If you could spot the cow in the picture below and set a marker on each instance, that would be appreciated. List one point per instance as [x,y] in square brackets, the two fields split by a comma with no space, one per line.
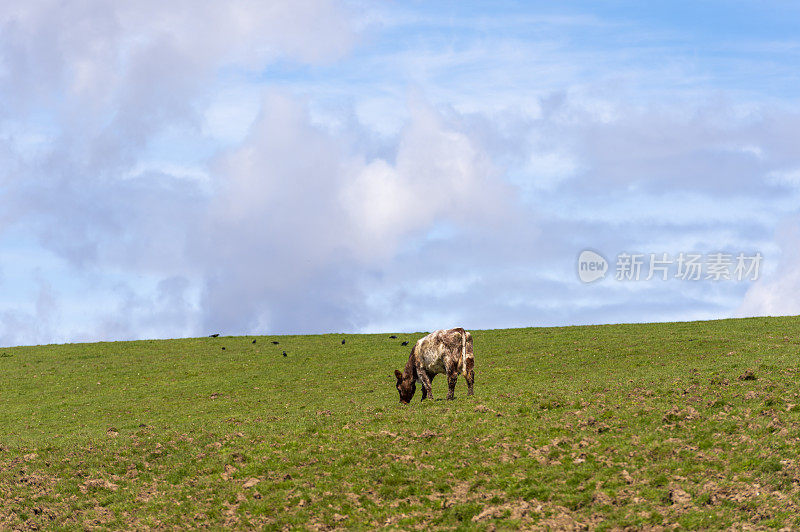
[446,351]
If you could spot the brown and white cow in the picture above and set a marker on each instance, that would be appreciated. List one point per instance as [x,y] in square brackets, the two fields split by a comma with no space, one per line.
[447,351]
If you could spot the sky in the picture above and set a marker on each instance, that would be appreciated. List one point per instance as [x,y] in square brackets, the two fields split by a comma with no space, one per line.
[175,169]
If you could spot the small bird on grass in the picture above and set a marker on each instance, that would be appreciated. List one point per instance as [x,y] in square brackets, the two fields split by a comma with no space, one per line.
[254,341]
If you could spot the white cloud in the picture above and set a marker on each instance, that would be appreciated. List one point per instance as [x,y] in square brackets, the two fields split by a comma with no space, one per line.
[103,153]
[439,174]
[547,170]
[296,208]
[790,177]
[777,292]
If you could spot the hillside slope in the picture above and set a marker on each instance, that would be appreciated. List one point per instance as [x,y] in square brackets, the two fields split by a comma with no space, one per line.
[696,424]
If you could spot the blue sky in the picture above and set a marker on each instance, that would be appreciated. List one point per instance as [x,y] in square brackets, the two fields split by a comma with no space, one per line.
[320,166]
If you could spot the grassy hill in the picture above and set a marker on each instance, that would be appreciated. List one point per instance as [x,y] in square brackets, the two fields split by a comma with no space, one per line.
[695,424]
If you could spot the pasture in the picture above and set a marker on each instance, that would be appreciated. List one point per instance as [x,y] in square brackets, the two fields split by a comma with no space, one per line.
[694,425]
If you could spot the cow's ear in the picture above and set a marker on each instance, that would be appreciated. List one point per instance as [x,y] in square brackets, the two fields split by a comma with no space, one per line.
[398,375]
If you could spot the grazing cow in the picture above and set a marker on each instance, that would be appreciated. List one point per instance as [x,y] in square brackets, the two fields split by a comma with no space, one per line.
[342,342]
[446,351]
[274,342]
[393,337]
[215,335]
[404,343]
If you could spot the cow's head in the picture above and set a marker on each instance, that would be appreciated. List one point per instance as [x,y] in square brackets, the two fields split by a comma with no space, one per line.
[406,387]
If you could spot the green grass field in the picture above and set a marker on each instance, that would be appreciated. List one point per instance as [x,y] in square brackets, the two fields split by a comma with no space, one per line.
[695,425]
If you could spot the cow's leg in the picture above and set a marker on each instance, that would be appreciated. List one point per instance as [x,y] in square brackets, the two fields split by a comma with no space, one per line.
[430,378]
[427,391]
[470,376]
[452,379]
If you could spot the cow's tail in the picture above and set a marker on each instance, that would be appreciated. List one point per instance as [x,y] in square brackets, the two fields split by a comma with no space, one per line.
[467,358]
[464,350]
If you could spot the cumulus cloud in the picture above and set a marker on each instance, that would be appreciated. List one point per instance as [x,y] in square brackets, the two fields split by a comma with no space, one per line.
[90,90]
[37,324]
[97,83]
[299,218]
[439,174]
[777,292]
